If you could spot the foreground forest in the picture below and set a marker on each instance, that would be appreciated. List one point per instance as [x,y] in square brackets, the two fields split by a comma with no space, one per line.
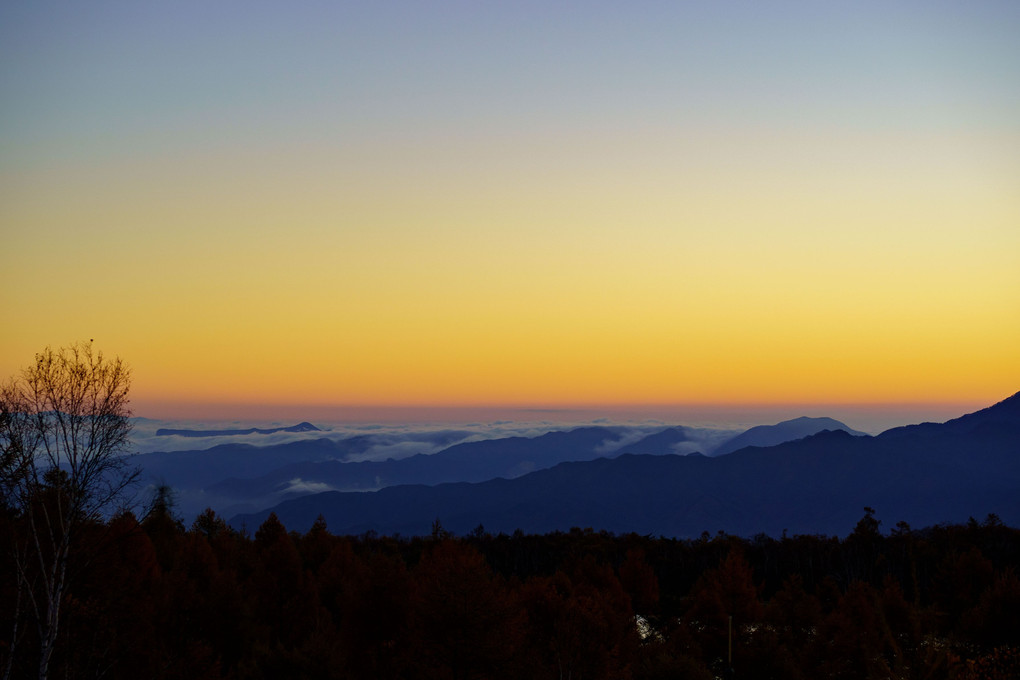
[157,599]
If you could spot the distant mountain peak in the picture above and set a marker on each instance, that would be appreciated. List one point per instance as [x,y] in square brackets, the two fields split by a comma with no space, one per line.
[304,426]
[809,419]
[787,430]
[301,427]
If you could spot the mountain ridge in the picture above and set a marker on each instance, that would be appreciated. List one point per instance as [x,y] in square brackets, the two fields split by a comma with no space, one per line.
[816,484]
[300,427]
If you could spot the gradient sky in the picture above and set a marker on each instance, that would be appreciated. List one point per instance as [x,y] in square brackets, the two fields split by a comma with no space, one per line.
[517,202]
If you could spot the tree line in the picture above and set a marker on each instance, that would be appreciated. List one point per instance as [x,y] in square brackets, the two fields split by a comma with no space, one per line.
[156,599]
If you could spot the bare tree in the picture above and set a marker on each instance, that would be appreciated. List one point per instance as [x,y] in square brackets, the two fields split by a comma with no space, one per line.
[64,426]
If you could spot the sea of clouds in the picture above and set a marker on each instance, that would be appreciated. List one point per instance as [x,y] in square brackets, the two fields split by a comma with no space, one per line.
[396,441]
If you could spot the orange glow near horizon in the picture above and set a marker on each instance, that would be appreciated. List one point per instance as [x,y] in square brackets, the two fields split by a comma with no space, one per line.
[364,207]
[873,418]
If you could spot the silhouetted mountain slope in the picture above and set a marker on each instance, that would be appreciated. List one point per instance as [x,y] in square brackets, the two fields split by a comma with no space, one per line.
[788,430]
[1005,412]
[818,484]
[301,427]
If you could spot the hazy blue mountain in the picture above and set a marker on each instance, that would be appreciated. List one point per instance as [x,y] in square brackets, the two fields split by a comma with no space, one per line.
[475,461]
[788,430]
[924,474]
[658,444]
[191,473]
[301,427]
[241,477]
[202,467]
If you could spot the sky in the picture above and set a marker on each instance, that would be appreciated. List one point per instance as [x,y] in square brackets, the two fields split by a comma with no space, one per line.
[528,203]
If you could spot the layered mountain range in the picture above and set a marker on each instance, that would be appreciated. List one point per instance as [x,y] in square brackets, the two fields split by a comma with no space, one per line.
[243,477]
[808,475]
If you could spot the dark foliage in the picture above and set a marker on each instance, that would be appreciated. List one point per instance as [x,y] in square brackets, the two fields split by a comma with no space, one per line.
[162,601]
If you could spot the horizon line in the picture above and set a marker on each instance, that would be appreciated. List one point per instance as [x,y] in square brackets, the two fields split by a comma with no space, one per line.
[213,411]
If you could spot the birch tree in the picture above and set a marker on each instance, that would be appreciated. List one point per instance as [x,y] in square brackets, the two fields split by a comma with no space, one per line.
[64,426]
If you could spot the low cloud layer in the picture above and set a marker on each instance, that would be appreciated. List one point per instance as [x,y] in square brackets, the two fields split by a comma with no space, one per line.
[298,485]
